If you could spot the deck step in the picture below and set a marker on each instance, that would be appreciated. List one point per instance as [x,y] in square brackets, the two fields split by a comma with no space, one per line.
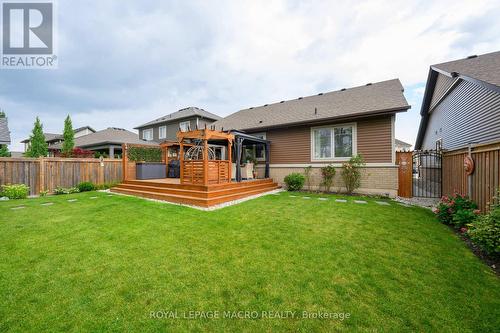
[194,193]
[198,201]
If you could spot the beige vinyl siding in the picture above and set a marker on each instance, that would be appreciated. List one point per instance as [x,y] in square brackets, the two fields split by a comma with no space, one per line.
[293,145]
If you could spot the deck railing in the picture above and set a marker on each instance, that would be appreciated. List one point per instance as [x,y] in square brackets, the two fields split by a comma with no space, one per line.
[193,172]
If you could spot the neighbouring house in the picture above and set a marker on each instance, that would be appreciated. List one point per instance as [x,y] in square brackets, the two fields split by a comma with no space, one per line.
[53,138]
[166,127]
[4,131]
[108,142]
[329,128]
[461,104]
[460,115]
[402,146]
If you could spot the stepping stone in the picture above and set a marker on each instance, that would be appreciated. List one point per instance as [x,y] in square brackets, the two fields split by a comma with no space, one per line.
[47,204]
[293,196]
[17,208]
[383,203]
[360,201]
[110,195]
[306,197]
[323,199]
[404,205]
[340,200]
[72,200]
[93,197]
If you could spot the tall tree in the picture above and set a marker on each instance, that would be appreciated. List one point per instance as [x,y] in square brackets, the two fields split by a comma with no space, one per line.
[38,147]
[69,137]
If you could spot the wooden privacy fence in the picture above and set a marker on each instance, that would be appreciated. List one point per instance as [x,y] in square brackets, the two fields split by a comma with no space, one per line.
[45,174]
[482,184]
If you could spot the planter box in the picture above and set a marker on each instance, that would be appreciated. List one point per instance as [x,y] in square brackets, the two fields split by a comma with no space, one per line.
[151,170]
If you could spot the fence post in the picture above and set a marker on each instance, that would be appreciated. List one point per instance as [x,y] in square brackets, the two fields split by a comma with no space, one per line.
[469,177]
[41,175]
[124,162]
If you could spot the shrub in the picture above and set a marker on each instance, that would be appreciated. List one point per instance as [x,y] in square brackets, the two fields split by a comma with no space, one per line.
[44,193]
[457,210]
[61,190]
[294,181]
[307,176]
[485,231]
[106,186]
[4,151]
[143,154]
[86,186]
[328,173]
[16,191]
[351,174]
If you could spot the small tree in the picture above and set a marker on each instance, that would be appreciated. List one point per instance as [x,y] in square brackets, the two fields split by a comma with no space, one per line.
[307,175]
[69,138]
[327,173]
[4,151]
[351,174]
[38,147]
[2,114]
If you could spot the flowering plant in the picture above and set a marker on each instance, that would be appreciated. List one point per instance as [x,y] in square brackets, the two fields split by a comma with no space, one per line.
[457,210]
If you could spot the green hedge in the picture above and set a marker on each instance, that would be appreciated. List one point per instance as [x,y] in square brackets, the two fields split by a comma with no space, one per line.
[142,154]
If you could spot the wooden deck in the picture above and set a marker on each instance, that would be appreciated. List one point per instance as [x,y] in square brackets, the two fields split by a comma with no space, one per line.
[171,190]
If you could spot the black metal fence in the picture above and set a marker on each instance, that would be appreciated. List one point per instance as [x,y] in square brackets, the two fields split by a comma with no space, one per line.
[427,173]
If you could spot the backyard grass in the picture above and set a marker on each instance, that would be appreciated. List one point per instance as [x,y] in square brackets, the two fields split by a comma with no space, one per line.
[107,263]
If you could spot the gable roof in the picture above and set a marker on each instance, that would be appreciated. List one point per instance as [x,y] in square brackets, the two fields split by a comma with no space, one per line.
[182,113]
[483,70]
[402,143]
[381,97]
[54,137]
[4,131]
[79,129]
[109,136]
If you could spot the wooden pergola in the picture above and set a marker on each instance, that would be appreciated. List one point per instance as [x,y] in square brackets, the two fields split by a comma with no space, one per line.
[203,170]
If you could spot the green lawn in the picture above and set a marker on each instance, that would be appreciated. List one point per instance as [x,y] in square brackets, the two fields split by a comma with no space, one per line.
[105,264]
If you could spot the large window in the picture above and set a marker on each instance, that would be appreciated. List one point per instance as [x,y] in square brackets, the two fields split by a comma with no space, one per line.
[162,132]
[147,134]
[334,143]
[184,126]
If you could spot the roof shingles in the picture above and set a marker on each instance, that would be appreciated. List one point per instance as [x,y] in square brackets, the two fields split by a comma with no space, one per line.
[376,97]
[182,113]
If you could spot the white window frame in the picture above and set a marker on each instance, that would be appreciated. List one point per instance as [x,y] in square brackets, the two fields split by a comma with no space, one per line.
[183,123]
[149,130]
[333,158]
[159,132]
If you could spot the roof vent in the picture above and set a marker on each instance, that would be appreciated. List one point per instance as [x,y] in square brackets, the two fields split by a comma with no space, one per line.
[343,89]
[300,98]
[472,56]
[251,108]
[320,94]
[369,84]
[260,121]
[454,74]
[282,102]
[266,104]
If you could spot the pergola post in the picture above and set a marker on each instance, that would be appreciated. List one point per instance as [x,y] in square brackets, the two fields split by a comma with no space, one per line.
[267,153]
[181,161]
[230,158]
[239,142]
[205,161]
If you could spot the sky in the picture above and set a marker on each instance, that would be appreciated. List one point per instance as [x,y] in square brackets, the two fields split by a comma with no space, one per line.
[123,63]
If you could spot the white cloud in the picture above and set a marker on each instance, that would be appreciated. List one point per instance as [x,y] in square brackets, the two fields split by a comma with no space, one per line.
[124,63]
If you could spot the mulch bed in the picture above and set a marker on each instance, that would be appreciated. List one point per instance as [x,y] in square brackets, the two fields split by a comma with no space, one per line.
[491,260]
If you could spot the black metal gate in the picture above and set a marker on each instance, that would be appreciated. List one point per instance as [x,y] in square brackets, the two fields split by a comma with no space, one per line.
[427,173]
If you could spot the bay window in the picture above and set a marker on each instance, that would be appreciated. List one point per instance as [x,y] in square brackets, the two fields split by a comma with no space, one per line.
[333,142]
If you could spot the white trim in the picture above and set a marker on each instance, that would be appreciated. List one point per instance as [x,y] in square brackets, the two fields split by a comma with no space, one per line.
[147,131]
[184,123]
[336,159]
[336,165]
[159,132]
[393,138]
